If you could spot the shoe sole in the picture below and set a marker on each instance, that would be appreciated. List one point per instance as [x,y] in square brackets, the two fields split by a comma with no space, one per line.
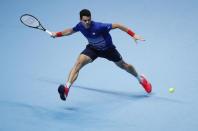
[61,89]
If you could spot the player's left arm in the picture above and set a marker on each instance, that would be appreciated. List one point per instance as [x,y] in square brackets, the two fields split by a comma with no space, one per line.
[128,31]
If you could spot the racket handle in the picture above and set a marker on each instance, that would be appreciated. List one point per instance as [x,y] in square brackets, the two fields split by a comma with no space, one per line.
[50,33]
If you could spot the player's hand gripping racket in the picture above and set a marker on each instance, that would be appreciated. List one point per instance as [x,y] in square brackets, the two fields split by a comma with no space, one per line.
[33,22]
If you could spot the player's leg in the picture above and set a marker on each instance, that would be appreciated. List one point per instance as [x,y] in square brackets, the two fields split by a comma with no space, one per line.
[81,61]
[130,69]
[87,55]
[114,55]
[127,67]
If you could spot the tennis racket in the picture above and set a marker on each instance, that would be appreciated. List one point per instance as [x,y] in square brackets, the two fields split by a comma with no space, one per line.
[33,22]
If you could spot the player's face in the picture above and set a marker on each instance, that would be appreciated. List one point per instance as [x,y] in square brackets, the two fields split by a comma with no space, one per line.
[86,21]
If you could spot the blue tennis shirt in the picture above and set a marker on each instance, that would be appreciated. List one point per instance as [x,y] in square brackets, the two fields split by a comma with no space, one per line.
[97,34]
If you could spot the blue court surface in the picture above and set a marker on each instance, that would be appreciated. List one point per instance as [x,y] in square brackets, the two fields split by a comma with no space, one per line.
[104,97]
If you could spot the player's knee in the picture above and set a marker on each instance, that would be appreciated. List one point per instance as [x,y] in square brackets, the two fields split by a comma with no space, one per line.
[128,66]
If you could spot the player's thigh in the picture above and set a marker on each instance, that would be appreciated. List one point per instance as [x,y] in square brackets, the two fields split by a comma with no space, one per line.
[83,60]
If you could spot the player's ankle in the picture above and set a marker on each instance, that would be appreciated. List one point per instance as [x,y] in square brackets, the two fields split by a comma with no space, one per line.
[139,78]
[68,84]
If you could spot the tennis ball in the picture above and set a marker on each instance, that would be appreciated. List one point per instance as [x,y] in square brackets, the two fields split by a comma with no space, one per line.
[171,90]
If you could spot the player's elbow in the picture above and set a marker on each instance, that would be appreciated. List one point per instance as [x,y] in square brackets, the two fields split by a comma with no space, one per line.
[116,25]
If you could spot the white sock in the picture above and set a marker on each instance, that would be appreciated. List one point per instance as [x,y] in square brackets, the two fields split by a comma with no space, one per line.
[68,84]
[139,78]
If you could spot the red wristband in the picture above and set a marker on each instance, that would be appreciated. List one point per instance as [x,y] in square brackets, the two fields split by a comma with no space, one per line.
[130,32]
[59,34]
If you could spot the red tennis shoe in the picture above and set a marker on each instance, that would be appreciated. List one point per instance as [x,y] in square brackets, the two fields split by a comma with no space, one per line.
[146,84]
[63,92]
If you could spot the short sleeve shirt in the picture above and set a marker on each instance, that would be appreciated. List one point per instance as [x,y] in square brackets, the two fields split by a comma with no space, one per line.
[97,34]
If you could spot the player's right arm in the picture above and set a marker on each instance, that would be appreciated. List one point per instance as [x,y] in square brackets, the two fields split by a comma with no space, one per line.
[65,32]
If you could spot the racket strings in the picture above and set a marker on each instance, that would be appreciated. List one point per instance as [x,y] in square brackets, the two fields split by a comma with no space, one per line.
[30,21]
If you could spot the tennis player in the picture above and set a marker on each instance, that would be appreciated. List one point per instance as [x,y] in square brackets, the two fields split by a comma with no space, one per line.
[99,45]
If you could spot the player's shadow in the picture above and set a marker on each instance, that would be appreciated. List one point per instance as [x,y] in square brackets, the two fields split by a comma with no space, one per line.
[116,93]
[134,95]
[126,95]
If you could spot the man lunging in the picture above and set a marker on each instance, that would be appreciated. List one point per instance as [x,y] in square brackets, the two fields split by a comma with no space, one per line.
[99,45]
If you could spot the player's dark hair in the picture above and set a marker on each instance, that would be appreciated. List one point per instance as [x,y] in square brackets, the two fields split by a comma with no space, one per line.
[85,12]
